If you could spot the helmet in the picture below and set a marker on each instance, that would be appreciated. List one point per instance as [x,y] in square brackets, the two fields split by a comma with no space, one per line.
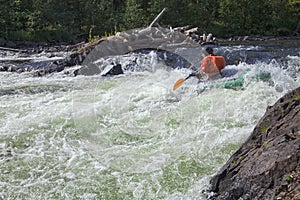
[209,50]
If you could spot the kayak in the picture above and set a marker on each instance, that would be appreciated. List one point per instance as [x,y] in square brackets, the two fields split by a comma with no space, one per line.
[234,79]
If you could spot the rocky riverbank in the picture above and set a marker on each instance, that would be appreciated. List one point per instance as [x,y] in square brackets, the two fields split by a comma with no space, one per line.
[80,49]
[267,165]
[76,53]
[21,56]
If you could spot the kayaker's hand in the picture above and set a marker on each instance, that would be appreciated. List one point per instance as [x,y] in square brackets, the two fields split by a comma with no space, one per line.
[200,75]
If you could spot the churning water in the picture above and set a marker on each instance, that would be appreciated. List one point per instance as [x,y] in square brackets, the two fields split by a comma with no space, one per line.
[127,136]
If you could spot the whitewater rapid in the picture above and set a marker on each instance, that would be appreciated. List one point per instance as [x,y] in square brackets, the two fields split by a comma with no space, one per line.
[127,136]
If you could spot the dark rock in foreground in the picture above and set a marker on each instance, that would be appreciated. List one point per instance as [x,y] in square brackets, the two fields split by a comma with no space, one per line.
[267,165]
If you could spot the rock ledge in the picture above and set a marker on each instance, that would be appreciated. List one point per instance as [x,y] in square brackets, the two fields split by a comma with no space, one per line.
[267,165]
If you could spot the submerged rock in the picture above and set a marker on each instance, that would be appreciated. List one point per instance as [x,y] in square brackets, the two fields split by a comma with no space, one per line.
[267,165]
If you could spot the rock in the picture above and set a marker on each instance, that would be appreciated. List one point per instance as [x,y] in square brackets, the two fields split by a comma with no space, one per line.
[245,38]
[267,165]
[297,31]
[11,44]
[2,42]
[114,70]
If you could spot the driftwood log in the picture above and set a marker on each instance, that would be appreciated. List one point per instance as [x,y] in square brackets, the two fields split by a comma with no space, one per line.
[157,18]
[12,49]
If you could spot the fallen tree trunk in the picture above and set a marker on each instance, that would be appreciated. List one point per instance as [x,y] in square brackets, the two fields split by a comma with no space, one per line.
[157,18]
[11,49]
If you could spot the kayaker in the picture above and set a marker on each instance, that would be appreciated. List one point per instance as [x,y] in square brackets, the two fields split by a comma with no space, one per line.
[211,65]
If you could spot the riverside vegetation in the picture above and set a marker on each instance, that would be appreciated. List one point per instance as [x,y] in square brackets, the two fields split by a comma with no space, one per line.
[54,20]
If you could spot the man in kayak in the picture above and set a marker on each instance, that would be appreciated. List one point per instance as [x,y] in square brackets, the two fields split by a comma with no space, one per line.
[211,65]
[210,68]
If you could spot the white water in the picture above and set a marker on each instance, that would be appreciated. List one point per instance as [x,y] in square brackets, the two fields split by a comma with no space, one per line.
[125,137]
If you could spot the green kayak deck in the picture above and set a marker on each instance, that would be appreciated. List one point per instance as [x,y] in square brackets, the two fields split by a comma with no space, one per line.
[236,81]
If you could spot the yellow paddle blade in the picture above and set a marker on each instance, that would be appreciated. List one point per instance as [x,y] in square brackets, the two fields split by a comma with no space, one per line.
[178,83]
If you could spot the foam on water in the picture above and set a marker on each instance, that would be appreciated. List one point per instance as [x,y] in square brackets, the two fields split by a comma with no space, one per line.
[127,136]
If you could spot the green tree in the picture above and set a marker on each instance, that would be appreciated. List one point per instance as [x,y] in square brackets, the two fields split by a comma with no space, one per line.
[286,15]
[133,16]
[249,17]
[45,20]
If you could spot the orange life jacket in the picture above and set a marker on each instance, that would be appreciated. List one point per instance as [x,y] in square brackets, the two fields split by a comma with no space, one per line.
[212,65]
[219,61]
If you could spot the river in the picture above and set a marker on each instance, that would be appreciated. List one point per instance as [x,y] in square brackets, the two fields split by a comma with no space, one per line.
[129,136]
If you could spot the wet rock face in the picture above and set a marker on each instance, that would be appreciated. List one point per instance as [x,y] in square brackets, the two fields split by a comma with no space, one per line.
[267,165]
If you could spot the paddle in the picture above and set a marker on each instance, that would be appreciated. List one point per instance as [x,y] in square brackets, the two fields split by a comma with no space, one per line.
[180,81]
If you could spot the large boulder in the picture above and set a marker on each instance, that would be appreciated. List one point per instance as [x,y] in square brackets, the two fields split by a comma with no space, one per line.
[267,165]
[298,29]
